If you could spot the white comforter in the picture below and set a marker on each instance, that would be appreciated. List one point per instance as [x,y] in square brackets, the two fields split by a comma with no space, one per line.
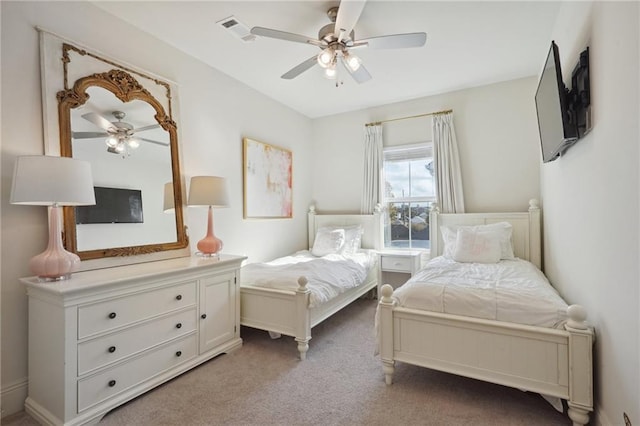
[510,290]
[327,276]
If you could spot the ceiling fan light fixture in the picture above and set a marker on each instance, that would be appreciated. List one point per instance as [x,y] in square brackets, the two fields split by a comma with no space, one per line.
[330,72]
[325,58]
[112,141]
[352,61]
[133,143]
[119,148]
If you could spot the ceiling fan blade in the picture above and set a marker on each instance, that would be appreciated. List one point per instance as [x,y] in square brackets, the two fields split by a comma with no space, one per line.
[149,127]
[88,135]
[99,121]
[361,75]
[282,35]
[152,141]
[348,14]
[300,68]
[395,41]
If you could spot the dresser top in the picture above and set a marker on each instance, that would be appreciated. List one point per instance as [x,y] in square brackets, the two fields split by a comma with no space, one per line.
[87,280]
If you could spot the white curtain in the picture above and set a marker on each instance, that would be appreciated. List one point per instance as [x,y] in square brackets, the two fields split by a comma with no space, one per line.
[372,168]
[447,165]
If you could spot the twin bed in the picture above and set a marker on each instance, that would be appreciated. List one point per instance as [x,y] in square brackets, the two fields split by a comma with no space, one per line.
[490,334]
[551,353]
[291,308]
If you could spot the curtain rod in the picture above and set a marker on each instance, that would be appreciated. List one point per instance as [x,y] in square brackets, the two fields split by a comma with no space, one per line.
[446,111]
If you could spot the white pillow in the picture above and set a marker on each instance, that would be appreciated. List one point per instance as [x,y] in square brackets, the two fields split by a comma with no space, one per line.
[477,246]
[328,241]
[353,239]
[502,230]
[449,234]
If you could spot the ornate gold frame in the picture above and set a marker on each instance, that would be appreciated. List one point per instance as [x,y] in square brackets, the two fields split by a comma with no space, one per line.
[126,88]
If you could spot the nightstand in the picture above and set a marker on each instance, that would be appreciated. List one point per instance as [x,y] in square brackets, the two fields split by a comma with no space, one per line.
[398,266]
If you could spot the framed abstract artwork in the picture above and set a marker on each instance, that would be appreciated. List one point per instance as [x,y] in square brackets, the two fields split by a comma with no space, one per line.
[268,180]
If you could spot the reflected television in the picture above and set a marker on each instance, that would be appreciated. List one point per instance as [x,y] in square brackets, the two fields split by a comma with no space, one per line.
[113,205]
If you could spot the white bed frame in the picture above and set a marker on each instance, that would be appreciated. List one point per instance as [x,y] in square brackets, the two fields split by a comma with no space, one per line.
[548,361]
[287,312]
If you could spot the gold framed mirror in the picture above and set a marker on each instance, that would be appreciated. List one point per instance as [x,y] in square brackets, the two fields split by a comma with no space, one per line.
[110,119]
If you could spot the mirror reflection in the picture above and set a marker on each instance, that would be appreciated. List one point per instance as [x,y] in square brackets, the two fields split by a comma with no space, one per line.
[113,122]
[130,157]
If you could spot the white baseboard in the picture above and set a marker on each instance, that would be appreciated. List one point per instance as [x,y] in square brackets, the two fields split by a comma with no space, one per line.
[13,396]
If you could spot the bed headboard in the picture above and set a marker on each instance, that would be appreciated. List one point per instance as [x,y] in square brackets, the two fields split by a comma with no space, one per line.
[526,238]
[372,224]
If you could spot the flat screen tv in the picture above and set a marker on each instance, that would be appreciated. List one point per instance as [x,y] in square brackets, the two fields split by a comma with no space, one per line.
[558,130]
[113,205]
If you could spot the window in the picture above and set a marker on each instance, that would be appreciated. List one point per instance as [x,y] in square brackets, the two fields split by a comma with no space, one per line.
[409,190]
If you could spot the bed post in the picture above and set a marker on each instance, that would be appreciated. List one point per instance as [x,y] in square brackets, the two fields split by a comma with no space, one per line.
[385,324]
[581,338]
[433,229]
[311,225]
[535,235]
[303,324]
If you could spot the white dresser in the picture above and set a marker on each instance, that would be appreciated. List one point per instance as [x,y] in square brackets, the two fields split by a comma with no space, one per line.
[104,337]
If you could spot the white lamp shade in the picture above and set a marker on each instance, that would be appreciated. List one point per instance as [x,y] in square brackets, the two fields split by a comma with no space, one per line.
[169,203]
[208,191]
[41,180]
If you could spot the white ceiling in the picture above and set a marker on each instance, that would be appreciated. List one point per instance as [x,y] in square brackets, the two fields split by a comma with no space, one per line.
[469,43]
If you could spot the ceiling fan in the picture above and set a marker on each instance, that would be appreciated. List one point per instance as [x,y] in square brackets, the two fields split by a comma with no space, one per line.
[119,134]
[337,39]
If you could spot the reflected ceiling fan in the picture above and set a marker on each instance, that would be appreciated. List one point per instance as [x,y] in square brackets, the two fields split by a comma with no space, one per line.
[119,134]
[337,39]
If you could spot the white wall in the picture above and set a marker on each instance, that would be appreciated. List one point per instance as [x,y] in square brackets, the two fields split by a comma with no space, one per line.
[497,137]
[590,200]
[215,112]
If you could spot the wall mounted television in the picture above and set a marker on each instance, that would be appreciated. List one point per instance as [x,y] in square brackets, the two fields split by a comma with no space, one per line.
[563,114]
[113,205]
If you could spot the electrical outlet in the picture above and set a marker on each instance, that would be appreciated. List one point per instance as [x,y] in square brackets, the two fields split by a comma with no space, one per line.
[627,422]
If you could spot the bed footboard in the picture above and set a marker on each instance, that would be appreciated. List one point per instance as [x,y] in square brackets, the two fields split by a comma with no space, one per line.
[548,361]
[278,311]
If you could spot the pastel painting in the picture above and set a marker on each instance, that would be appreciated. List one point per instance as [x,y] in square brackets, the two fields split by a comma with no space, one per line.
[268,181]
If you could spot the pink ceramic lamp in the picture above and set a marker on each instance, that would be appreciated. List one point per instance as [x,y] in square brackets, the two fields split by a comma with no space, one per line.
[208,191]
[53,181]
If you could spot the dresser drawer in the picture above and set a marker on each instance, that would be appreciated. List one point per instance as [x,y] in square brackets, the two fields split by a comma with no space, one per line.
[113,313]
[101,351]
[397,263]
[106,384]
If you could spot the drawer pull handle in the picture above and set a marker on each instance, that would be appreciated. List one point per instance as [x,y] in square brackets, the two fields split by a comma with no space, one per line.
[179,297]
[112,349]
[179,353]
[397,264]
[179,325]
[203,316]
[112,315]
[112,383]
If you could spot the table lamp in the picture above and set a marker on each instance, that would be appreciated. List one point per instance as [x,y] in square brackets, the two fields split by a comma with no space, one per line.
[208,191]
[40,180]
[168,203]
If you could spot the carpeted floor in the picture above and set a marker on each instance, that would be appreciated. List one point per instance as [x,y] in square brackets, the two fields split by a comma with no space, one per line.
[340,383]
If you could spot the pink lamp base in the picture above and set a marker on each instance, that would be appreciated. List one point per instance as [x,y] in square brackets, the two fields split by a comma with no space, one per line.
[210,245]
[55,263]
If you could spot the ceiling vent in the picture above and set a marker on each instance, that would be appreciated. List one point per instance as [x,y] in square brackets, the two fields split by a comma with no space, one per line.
[237,28]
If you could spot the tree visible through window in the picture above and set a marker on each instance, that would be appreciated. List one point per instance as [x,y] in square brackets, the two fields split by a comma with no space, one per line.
[409,191]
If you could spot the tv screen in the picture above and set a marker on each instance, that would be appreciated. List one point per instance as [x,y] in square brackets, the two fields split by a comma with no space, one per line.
[113,205]
[557,130]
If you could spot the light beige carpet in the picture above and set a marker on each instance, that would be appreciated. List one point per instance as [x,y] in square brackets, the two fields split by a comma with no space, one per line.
[340,383]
